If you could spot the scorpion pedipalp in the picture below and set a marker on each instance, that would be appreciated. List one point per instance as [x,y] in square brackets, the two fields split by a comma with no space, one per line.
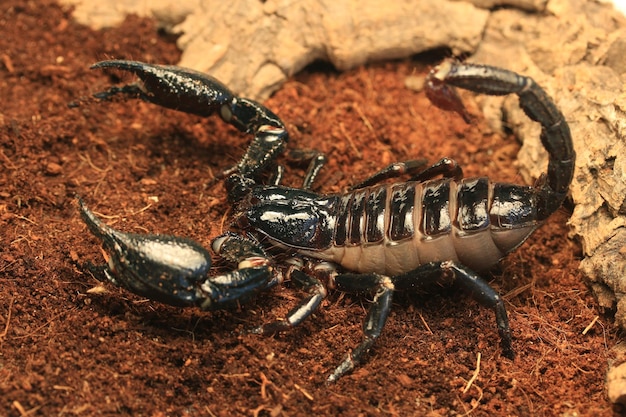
[171,269]
[192,92]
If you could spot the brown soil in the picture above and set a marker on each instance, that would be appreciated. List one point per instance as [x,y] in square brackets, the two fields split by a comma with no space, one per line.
[66,351]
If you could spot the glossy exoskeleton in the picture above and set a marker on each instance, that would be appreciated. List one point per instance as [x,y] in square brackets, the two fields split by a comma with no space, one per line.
[436,228]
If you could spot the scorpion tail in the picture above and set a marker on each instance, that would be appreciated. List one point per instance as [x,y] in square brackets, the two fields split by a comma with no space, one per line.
[538,106]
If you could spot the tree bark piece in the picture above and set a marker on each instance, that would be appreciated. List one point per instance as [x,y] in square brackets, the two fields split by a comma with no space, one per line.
[254,46]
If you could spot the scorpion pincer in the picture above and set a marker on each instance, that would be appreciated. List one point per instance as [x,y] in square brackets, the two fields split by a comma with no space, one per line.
[378,237]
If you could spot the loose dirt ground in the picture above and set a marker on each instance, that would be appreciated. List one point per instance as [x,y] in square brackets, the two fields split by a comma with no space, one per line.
[66,351]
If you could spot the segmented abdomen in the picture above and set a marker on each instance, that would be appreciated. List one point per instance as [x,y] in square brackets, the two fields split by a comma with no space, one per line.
[393,228]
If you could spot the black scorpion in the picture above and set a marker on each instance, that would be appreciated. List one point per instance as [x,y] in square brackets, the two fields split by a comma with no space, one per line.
[435,228]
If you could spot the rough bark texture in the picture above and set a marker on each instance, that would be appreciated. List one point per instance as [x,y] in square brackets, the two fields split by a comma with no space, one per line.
[577,53]
[254,46]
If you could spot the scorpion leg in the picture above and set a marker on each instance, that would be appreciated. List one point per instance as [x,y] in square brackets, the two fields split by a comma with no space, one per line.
[316,161]
[375,319]
[173,270]
[316,293]
[441,273]
[392,171]
[196,93]
[446,167]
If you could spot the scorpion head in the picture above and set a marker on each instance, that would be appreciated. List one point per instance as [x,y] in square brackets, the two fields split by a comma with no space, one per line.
[290,217]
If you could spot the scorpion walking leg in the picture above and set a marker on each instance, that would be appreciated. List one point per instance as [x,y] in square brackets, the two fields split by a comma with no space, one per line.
[446,167]
[375,319]
[441,273]
[392,171]
[316,161]
[317,292]
[446,271]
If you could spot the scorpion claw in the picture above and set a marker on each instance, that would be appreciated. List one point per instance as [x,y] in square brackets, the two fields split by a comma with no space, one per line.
[161,267]
[231,288]
[192,92]
[172,269]
[171,87]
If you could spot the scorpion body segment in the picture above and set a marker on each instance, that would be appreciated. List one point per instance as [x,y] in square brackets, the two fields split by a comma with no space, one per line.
[437,228]
[393,228]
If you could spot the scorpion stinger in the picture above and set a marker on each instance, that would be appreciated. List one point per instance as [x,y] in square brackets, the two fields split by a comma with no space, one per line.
[192,92]
[437,228]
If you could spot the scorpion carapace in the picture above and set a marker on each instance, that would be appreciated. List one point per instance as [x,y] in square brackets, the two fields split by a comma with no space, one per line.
[436,228]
